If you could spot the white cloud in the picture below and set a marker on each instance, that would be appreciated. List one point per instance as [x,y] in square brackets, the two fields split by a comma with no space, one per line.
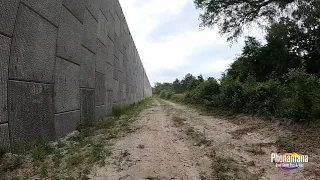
[172,52]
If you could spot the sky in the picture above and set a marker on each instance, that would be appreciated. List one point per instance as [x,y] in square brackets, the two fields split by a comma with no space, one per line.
[170,42]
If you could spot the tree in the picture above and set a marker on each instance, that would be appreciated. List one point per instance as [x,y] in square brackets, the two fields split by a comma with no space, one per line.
[233,15]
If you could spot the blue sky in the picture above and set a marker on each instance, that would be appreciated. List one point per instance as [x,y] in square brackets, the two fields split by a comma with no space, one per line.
[170,42]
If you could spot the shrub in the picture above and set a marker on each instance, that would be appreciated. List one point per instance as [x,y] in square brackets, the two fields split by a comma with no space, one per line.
[166,94]
[117,111]
[301,97]
[178,98]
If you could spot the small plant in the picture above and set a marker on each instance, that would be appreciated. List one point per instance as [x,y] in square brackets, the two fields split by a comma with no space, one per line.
[40,152]
[117,111]
[256,151]
[285,144]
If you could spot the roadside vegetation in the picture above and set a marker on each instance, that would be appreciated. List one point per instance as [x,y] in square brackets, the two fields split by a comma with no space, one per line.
[74,156]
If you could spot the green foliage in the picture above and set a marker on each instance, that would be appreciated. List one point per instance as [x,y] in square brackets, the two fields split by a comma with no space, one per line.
[165,94]
[178,98]
[117,111]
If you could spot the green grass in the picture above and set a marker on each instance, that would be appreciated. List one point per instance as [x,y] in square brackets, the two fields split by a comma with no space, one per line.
[226,168]
[81,151]
[285,144]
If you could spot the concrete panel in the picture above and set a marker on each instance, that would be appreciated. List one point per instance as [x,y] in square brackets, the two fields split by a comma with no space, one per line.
[66,123]
[31,114]
[69,37]
[89,36]
[87,69]
[117,24]
[115,68]
[93,6]
[103,29]
[116,47]
[49,9]
[100,93]
[101,112]
[4,138]
[109,101]
[101,61]
[109,77]
[66,86]
[4,56]
[8,12]
[110,47]
[76,7]
[33,48]
[87,106]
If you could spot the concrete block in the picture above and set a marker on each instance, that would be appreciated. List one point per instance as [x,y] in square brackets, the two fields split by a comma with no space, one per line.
[116,47]
[8,12]
[87,69]
[87,109]
[69,37]
[4,138]
[109,77]
[110,47]
[103,29]
[33,48]
[4,63]
[66,123]
[115,68]
[47,8]
[76,7]
[100,93]
[101,112]
[31,114]
[94,6]
[117,24]
[66,86]
[89,35]
[101,61]
[115,91]
[109,101]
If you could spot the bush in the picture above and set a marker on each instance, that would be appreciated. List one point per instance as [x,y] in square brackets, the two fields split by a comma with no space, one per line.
[301,97]
[117,111]
[166,94]
[178,98]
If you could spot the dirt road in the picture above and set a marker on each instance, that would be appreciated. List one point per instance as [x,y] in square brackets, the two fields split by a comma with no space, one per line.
[172,141]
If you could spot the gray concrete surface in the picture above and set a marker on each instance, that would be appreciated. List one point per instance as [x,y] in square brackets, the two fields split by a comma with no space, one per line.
[63,63]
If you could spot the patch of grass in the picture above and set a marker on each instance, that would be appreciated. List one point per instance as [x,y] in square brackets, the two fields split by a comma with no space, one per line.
[40,152]
[256,150]
[75,160]
[226,168]
[286,144]
[198,137]
[178,121]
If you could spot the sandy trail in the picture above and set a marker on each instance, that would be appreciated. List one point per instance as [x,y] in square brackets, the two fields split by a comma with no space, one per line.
[159,150]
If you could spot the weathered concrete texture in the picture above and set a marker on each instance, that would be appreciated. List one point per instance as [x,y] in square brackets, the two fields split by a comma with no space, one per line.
[101,61]
[4,138]
[69,37]
[87,69]
[63,62]
[66,122]
[8,12]
[87,106]
[101,112]
[49,9]
[4,61]
[33,48]
[100,93]
[93,6]
[66,86]
[103,29]
[89,35]
[76,7]
[31,113]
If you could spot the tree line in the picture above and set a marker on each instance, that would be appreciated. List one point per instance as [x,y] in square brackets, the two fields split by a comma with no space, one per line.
[279,78]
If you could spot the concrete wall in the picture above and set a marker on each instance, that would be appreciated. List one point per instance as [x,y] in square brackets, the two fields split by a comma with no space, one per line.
[63,62]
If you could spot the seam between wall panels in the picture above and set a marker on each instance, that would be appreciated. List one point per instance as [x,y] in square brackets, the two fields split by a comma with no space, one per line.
[8,105]
[71,13]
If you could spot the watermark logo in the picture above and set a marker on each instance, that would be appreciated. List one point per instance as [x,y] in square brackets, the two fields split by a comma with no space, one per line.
[289,161]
